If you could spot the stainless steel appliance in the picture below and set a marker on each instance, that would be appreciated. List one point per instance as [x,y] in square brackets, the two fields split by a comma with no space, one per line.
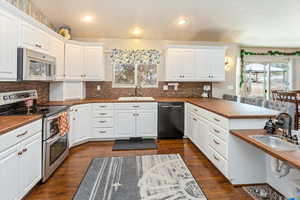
[55,144]
[170,120]
[33,65]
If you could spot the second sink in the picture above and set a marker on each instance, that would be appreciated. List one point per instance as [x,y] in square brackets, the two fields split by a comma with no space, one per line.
[275,142]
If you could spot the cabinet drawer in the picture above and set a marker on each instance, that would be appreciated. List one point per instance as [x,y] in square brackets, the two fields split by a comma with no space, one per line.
[218,120]
[219,132]
[102,106]
[13,137]
[136,106]
[218,145]
[102,113]
[218,161]
[103,132]
[103,122]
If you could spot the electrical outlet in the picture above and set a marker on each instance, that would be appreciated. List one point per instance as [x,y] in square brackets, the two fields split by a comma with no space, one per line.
[98,87]
[165,87]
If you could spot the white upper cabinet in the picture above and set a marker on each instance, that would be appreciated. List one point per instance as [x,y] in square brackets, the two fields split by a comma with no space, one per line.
[210,63]
[9,37]
[195,64]
[94,63]
[84,63]
[74,62]
[34,38]
[57,49]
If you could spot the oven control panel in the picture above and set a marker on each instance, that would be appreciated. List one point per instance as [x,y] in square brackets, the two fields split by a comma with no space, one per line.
[17,96]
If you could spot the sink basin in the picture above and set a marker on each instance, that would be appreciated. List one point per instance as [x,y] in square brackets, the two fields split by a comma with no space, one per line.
[136,99]
[275,142]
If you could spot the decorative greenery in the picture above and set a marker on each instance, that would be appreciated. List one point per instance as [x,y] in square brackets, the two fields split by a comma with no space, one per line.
[268,53]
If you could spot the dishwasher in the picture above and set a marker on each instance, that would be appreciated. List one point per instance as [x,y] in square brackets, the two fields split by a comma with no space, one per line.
[170,120]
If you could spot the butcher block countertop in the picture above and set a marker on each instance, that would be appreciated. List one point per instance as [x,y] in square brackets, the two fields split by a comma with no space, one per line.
[291,157]
[9,123]
[228,109]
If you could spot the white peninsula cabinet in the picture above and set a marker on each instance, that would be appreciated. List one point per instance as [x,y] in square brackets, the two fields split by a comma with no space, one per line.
[210,133]
[9,36]
[195,63]
[20,160]
[84,62]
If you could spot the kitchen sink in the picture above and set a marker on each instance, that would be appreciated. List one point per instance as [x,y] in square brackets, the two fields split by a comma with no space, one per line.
[136,99]
[275,142]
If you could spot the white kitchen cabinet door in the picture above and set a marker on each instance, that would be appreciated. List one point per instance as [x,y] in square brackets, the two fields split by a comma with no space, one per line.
[201,134]
[93,64]
[34,38]
[10,174]
[9,37]
[57,49]
[188,68]
[82,123]
[72,131]
[174,64]
[124,123]
[146,123]
[74,62]
[31,162]
[218,65]
[210,63]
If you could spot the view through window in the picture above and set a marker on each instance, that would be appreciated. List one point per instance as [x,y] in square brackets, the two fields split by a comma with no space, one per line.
[262,78]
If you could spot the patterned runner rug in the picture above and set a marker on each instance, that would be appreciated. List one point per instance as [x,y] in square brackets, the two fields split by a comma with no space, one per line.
[150,177]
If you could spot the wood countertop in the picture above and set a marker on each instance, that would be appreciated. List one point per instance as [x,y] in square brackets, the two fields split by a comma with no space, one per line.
[228,109]
[9,123]
[233,110]
[291,157]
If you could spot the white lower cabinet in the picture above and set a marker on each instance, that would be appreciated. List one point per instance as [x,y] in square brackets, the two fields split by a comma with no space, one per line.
[80,124]
[135,120]
[21,163]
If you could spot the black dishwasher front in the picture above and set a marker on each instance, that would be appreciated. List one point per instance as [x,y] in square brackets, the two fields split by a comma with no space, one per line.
[170,120]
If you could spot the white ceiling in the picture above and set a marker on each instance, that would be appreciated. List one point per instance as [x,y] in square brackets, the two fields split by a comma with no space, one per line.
[248,22]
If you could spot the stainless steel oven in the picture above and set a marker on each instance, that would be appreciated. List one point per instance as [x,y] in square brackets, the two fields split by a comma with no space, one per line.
[33,65]
[55,146]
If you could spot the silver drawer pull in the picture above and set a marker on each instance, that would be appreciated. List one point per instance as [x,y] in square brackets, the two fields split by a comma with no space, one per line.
[196,110]
[20,153]
[195,119]
[216,158]
[215,130]
[22,134]
[102,106]
[103,121]
[136,106]
[217,120]
[103,113]
[38,45]
[216,142]
[24,150]
[102,131]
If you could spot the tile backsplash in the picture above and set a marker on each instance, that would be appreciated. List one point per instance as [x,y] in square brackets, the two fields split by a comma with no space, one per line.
[188,89]
[41,87]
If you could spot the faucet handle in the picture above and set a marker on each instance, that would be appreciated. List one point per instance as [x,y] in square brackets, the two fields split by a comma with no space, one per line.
[295,139]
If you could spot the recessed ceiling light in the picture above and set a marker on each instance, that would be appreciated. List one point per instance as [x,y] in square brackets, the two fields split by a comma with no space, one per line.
[137,31]
[182,21]
[87,18]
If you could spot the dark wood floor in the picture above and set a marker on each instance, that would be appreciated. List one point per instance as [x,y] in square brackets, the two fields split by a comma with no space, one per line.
[63,184]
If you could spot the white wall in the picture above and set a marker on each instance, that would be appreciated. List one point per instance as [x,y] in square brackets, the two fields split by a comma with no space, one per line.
[229,86]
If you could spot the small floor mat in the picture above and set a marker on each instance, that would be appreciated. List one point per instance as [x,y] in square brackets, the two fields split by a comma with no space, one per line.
[134,144]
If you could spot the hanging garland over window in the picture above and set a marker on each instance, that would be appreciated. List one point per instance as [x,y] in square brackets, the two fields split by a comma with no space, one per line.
[268,53]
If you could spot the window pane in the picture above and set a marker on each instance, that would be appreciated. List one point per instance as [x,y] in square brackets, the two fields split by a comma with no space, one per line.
[279,76]
[255,76]
[124,74]
[147,75]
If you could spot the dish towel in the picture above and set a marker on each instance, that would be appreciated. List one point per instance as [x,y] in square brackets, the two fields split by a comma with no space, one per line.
[63,123]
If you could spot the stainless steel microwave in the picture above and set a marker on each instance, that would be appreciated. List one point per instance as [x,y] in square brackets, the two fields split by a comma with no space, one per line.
[35,66]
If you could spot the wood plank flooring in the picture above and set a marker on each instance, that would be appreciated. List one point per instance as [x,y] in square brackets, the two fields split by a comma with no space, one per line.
[64,182]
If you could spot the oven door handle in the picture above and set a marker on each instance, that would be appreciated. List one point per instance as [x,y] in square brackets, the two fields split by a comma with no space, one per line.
[54,139]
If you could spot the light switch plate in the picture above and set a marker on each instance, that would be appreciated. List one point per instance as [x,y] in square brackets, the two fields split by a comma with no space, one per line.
[98,87]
